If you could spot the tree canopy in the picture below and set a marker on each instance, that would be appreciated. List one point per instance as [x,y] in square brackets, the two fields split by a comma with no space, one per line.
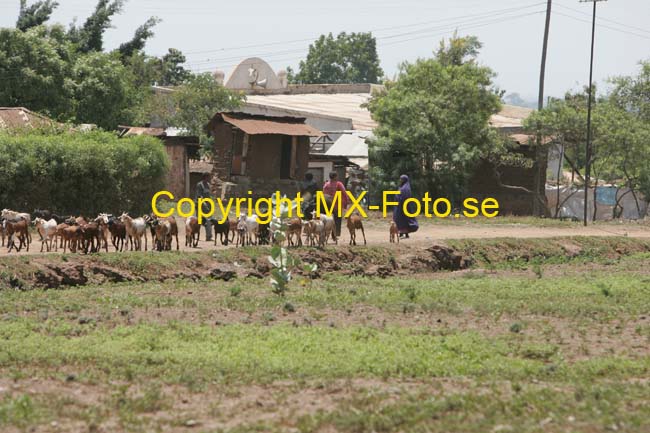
[433,120]
[65,74]
[620,132]
[192,105]
[346,59]
[35,14]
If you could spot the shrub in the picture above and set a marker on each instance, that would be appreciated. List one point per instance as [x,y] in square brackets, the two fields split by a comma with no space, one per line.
[80,173]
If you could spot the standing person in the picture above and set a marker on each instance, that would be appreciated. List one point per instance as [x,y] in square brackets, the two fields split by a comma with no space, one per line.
[203,191]
[308,191]
[329,190]
[405,224]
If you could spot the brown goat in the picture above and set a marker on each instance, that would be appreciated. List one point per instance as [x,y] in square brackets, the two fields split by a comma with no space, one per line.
[294,228]
[71,238]
[233,229]
[19,229]
[355,223]
[174,231]
[91,235]
[192,232]
[394,233]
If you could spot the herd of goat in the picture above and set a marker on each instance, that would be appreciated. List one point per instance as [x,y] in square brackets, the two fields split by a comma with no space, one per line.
[125,232]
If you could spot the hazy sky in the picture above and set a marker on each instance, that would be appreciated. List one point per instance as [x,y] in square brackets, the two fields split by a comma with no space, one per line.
[217,34]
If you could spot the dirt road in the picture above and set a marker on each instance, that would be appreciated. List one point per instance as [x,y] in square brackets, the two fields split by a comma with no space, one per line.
[377,232]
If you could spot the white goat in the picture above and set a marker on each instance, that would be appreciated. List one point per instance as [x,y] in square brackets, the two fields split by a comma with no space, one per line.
[329,228]
[252,228]
[136,228]
[47,230]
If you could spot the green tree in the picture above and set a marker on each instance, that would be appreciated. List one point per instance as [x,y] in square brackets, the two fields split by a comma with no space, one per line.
[90,36]
[103,91]
[35,69]
[142,33]
[173,73]
[433,121]
[633,92]
[620,139]
[346,59]
[36,14]
[192,105]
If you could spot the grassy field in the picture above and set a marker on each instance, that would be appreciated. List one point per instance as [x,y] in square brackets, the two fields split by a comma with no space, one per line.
[544,345]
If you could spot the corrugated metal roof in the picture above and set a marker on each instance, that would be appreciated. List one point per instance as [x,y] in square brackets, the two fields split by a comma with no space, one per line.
[257,125]
[350,106]
[351,145]
[19,117]
[510,116]
[138,130]
[345,105]
[525,139]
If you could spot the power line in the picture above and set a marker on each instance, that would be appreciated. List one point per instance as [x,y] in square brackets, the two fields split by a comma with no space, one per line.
[398,35]
[605,19]
[429,35]
[602,25]
[311,39]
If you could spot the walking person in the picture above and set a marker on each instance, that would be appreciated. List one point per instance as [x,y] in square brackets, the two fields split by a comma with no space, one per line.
[203,191]
[308,191]
[404,223]
[329,190]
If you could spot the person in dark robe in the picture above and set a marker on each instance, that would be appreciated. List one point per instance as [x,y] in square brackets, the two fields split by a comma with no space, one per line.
[203,191]
[405,224]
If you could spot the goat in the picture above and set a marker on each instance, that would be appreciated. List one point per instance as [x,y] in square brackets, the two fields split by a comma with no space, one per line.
[71,236]
[91,235]
[318,232]
[118,232]
[173,232]
[102,219]
[162,236]
[394,233]
[17,229]
[355,223]
[223,230]
[58,235]
[2,230]
[308,233]
[264,235]
[329,227]
[136,228]
[252,227]
[47,230]
[192,232]
[294,228]
[241,233]
[233,229]
[42,213]
[13,216]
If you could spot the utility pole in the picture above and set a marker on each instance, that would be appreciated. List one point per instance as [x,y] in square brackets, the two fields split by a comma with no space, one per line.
[539,157]
[588,153]
[542,74]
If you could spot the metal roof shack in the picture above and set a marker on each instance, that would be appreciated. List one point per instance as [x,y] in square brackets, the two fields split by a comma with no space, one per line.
[261,154]
[13,118]
[261,125]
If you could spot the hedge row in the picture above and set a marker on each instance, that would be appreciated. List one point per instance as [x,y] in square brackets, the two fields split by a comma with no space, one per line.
[80,173]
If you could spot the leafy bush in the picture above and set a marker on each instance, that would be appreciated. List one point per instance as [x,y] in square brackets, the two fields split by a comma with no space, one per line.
[80,173]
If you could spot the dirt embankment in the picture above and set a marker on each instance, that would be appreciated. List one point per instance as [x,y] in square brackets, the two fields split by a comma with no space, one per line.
[60,271]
